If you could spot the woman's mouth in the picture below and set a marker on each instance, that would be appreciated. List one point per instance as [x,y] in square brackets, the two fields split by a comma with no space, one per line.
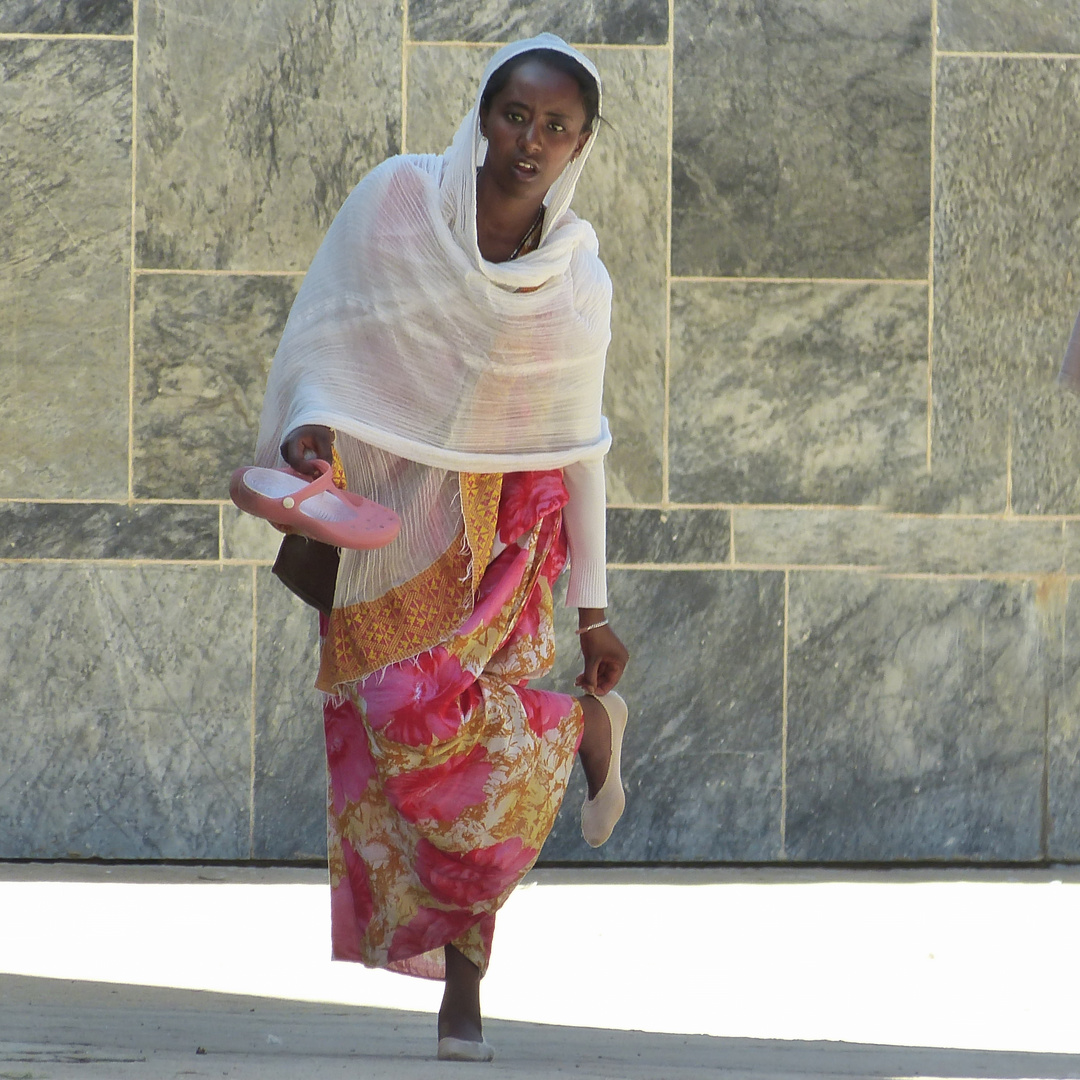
[526,168]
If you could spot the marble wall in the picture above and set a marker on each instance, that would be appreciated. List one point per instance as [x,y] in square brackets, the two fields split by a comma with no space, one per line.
[844,494]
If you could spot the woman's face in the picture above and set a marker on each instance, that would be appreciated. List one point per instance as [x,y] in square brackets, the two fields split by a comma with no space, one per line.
[534,126]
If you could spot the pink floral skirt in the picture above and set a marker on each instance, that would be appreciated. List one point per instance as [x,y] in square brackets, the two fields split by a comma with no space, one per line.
[445,770]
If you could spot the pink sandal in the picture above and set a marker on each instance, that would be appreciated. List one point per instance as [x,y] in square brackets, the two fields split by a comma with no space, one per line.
[316,508]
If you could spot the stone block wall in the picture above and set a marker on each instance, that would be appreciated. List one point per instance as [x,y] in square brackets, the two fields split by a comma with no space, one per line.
[845,493]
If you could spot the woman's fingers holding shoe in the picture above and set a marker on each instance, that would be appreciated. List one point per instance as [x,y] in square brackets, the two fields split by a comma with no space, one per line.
[304,444]
[605,659]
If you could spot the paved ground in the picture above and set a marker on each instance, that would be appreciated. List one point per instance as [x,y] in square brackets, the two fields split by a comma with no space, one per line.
[113,972]
[60,1029]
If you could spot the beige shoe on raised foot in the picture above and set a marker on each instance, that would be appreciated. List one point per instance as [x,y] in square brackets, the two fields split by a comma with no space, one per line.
[451,1049]
[599,815]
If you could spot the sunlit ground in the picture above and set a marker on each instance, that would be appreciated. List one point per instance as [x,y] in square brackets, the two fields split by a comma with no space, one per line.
[987,960]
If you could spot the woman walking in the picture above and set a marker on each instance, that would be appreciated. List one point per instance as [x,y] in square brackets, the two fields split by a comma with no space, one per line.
[446,353]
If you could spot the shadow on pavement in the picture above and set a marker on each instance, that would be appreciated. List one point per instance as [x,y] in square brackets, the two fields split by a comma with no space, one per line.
[101,1029]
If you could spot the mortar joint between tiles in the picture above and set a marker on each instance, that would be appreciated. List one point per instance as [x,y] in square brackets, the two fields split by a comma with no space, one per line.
[1009,463]
[665,418]
[930,245]
[404,76]
[253,710]
[131,252]
[964,54]
[784,720]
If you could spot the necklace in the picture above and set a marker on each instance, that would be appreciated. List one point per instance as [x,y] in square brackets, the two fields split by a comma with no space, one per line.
[532,228]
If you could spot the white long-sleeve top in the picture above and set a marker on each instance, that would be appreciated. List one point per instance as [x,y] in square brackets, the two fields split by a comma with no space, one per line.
[585,521]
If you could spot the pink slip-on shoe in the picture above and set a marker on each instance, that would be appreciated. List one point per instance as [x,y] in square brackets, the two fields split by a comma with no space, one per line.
[316,508]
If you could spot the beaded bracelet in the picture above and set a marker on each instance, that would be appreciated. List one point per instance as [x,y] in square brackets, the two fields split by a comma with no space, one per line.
[594,626]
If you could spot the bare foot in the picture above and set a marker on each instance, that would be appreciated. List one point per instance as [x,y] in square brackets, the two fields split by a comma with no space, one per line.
[595,748]
[459,1014]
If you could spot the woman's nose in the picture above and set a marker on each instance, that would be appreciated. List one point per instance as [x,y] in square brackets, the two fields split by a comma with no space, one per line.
[530,137]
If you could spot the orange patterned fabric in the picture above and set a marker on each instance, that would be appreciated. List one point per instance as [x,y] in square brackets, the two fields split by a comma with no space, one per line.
[480,507]
[446,769]
[338,473]
[401,623]
[411,618]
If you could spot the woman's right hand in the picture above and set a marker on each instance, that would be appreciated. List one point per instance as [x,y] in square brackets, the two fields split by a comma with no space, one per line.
[304,444]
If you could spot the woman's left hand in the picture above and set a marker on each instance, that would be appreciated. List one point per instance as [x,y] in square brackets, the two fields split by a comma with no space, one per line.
[605,659]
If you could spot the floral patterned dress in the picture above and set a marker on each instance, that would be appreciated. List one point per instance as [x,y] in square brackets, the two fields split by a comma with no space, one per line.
[446,770]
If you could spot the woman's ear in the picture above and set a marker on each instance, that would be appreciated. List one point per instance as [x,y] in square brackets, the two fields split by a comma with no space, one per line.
[583,138]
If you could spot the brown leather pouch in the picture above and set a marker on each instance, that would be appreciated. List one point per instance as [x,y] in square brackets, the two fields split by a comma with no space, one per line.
[309,569]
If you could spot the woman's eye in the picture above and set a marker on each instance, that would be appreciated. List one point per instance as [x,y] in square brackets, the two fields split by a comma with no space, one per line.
[515,117]
[557,127]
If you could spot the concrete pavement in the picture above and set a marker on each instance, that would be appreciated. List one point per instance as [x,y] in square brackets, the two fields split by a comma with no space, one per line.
[127,971]
[66,1030]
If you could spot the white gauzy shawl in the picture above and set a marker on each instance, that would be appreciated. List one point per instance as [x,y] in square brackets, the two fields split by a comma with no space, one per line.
[427,361]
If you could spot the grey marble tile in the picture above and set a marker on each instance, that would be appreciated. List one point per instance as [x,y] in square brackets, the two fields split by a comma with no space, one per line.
[668,536]
[203,347]
[916,712]
[1045,451]
[624,182]
[65,214]
[255,121]
[1006,26]
[608,22]
[246,537]
[802,139]
[795,393]
[125,712]
[701,759]
[794,537]
[1072,546]
[1008,170]
[102,531]
[66,17]
[1060,602]
[442,84]
[623,192]
[290,755]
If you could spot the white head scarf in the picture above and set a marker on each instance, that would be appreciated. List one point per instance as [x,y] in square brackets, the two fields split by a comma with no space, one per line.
[466,154]
[426,359]
[404,337]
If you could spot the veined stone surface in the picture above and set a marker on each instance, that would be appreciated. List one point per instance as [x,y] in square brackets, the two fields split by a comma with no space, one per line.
[668,536]
[107,531]
[796,393]
[66,17]
[1006,26]
[1004,295]
[898,542]
[65,215]
[125,712]
[611,22]
[802,139]
[623,191]
[290,755]
[203,347]
[255,122]
[1060,600]
[914,486]
[246,537]
[916,713]
[701,758]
